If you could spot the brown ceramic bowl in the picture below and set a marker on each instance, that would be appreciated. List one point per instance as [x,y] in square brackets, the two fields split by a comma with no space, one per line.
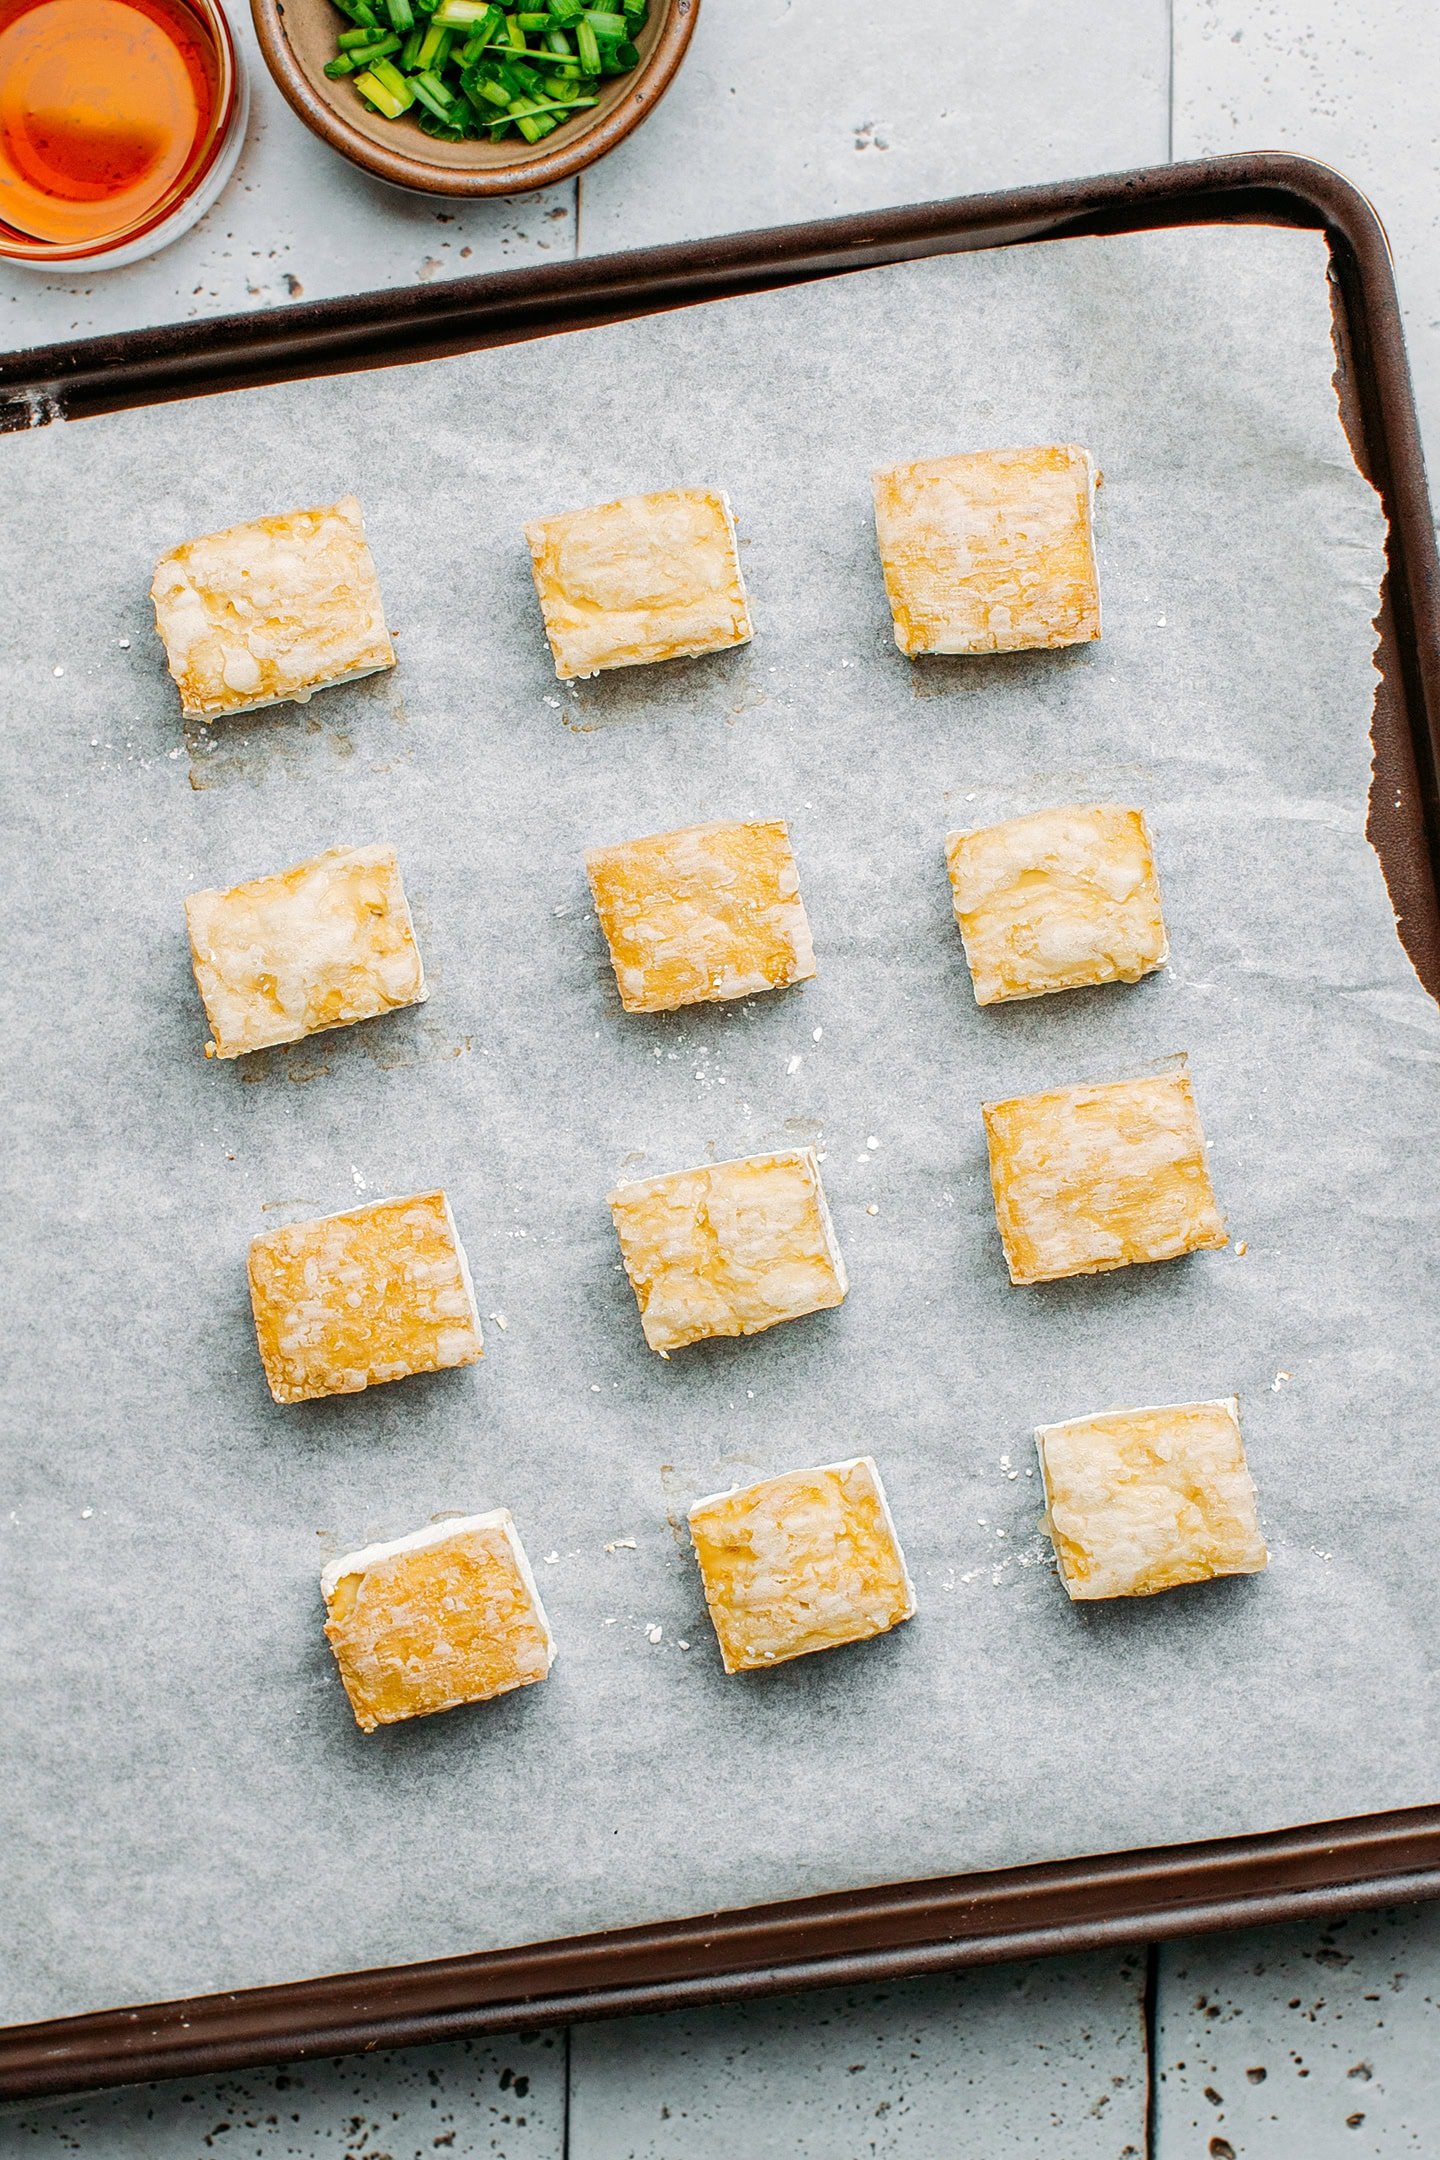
[297,37]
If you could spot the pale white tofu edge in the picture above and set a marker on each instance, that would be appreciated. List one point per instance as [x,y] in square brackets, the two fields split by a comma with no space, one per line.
[291,697]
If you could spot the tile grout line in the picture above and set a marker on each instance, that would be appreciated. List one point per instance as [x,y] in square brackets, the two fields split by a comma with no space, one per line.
[1149,2021]
[565,2112]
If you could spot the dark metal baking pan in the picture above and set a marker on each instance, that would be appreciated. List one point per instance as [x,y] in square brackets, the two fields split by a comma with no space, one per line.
[853,1936]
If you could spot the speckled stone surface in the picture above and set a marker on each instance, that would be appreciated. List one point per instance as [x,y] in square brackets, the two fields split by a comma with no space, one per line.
[1324,2041]
[501,2099]
[818,115]
[1357,85]
[1043,2059]
[1316,2040]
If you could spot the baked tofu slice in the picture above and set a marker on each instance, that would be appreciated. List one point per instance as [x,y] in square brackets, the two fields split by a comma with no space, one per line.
[1143,1500]
[448,1615]
[320,946]
[800,1563]
[1088,1178]
[271,611]
[990,552]
[710,912]
[1057,900]
[376,1293]
[650,577]
[729,1249]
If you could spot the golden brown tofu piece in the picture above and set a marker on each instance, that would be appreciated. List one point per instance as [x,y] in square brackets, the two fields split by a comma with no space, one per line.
[1143,1500]
[710,912]
[651,577]
[373,1294]
[1087,1178]
[448,1615]
[991,551]
[1057,900]
[270,611]
[800,1563]
[320,946]
[731,1248]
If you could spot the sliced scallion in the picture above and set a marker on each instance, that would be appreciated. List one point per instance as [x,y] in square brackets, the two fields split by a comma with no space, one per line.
[379,48]
[382,97]
[433,95]
[480,68]
[587,45]
[396,83]
[434,49]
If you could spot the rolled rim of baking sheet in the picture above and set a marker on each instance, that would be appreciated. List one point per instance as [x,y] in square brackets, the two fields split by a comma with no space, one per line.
[1315,1868]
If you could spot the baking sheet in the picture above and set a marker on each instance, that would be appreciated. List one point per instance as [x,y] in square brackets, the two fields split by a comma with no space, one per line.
[190,1806]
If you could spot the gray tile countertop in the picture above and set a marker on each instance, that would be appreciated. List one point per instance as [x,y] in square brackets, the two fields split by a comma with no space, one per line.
[1302,2039]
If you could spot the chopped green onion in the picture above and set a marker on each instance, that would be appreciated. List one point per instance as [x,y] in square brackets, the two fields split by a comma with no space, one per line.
[480,68]
[382,97]
[533,129]
[377,49]
[435,48]
[432,93]
[559,105]
[393,80]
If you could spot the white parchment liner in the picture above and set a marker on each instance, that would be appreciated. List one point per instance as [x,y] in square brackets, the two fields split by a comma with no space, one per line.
[187,1804]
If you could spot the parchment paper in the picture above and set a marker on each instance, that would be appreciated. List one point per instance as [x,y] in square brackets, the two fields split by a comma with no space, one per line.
[189,1804]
